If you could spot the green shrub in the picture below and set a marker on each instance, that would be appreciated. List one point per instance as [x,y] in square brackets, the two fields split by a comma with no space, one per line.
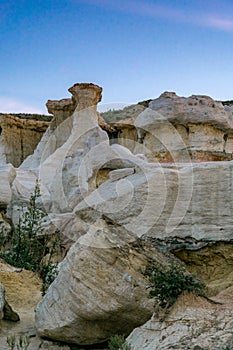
[168,282]
[21,343]
[30,245]
[118,342]
[48,273]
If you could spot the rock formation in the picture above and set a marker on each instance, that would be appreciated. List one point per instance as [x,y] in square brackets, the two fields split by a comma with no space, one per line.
[6,311]
[19,136]
[196,124]
[193,323]
[121,212]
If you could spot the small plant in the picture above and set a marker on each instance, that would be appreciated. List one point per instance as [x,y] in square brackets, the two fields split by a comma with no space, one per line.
[11,341]
[167,283]
[48,273]
[28,245]
[118,342]
[31,248]
[22,343]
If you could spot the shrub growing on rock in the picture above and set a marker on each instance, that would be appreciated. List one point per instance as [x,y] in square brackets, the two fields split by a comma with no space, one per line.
[118,342]
[168,282]
[30,245]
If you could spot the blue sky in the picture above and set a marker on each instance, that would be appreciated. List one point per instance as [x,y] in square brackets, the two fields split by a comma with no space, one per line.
[134,49]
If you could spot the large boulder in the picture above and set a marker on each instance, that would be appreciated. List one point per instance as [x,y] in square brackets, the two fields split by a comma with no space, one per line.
[100,289]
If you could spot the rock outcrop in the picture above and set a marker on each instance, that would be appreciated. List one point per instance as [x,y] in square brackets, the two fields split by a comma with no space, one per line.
[193,323]
[19,136]
[120,212]
[172,124]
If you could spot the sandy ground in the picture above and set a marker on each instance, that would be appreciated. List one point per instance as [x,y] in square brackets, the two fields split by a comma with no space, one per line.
[23,294]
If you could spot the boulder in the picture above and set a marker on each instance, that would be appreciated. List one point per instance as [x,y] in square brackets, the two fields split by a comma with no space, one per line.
[6,311]
[100,290]
[10,314]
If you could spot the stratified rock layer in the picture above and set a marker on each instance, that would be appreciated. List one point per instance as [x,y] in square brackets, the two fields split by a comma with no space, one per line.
[19,137]
[172,128]
[100,290]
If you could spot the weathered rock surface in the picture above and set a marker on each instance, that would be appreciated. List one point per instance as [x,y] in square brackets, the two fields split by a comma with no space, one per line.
[104,199]
[120,173]
[193,323]
[5,229]
[170,125]
[19,137]
[2,301]
[6,311]
[7,175]
[100,290]
[190,204]
[9,313]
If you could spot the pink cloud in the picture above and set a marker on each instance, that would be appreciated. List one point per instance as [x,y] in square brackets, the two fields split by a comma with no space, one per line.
[220,23]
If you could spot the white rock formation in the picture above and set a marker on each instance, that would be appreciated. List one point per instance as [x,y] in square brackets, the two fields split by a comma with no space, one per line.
[103,198]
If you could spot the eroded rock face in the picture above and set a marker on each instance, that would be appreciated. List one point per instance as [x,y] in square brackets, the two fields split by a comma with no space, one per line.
[6,311]
[193,323]
[197,123]
[104,199]
[100,290]
[19,137]
[173,128]
[7,176]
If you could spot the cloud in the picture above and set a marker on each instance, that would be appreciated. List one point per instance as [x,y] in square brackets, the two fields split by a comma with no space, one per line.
[11,105]
[220,23]
[201,18]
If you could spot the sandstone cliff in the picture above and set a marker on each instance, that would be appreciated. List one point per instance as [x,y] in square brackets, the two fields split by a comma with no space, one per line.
[19,136]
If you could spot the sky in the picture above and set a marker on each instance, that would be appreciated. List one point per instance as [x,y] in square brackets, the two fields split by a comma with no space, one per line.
[134,49]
